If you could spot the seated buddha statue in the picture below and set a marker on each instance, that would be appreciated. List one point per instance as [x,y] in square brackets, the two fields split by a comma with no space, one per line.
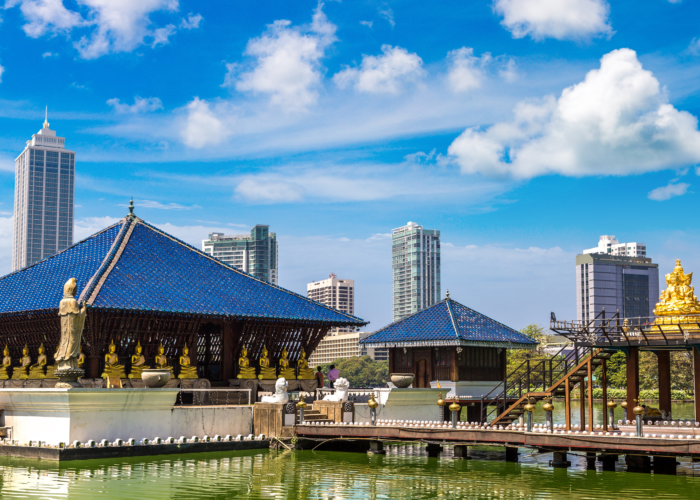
[51,369]
[38,369]
[6,365]
[81,358]
[112,367]
[21,372]
[162,360]
[286,371]
[244,368]
[266,371]
[138,362]
[305,373]
[186,368]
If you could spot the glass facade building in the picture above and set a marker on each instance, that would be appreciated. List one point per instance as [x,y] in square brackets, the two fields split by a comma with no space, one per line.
[415,262]
[255,254]
[44,187]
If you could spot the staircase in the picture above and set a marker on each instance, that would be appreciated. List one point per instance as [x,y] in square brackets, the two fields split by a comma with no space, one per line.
[536,381]
[313,416]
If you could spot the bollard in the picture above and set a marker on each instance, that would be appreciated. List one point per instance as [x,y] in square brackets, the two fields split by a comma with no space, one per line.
[624,410]
[301,405]
[639,411]
[548,407]
[441,405]
[372,403]
[454,408]
[611,413]
[529,408]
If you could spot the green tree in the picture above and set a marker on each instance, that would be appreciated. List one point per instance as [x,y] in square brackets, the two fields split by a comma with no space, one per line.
[361,372]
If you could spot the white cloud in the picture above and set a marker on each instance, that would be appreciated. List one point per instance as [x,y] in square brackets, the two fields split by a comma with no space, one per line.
[560,19]
[667,192]
[2,70]
[202,126]
[191,22]
[88,226]
[46,16]
[141,105]
[6,231]
[384,73]
[49,54]
[161,36]
[694,47]
[466,71]
[267,190]
[509,72]
[287,62]
[160,206]
[616,122]
[387,14]
[367,23]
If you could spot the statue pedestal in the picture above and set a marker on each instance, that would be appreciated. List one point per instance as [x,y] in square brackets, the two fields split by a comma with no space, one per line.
[337,411]
[273,419]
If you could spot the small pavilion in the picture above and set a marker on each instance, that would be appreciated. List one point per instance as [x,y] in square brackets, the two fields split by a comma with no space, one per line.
[143,285]
[450,344]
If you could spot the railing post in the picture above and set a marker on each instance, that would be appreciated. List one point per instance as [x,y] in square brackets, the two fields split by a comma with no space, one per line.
[482,408]
[528,376]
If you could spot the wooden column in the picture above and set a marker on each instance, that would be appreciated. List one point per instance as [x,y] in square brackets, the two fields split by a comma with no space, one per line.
[632,380]
[696,369]
[454,372]
[590,393]
[604,384]
[93,367]
[392,362]
[582,400]
[664,360]
[227,355]
[567,399]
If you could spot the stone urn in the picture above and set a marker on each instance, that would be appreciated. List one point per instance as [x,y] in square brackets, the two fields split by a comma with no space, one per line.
[154,377]
[402,380]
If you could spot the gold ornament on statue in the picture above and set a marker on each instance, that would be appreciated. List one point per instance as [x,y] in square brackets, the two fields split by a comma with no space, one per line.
[138,362]
[266,373]
[21,372]
[6,365]
[186,368]
[112,367]
[244,368]
[305,373]
[286,371]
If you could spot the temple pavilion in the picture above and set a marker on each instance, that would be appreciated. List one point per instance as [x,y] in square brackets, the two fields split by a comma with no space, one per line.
[450,344]
[143,285]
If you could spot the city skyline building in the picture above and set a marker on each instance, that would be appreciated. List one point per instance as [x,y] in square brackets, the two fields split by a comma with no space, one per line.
[336,293]
[44,198]
[415,266]
[610,246]
[343,346]
[256,254]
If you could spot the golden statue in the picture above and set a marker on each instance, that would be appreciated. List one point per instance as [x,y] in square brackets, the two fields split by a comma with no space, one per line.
[72,323]
[679,297]
[186,368]
[20,372]
[36,371]
[305,373]
[266,372]
[6,365]
[112,367]
[286,371]
[138,362]
[81,358]
[244,368]
[162,361]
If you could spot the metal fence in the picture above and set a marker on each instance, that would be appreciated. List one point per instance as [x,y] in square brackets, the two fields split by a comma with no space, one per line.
[213,397]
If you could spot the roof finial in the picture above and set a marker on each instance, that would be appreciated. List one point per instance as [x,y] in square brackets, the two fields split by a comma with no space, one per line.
[447,294]
[131,206]
[46,118]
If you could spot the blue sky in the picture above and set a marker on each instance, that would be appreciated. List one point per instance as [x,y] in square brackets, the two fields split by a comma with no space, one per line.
[522,129]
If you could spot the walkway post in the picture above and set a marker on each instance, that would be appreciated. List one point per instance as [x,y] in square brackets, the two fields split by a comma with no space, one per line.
[454,408]
[548,407]
[639,411]
[604,383]
[624,409]
[301,405]
[529,408]
[372,403]
[611,414]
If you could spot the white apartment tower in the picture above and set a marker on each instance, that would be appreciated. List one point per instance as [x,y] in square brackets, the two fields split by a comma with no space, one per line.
[610,246]
[415,263]
[43,220]
[336,293]
[256,254]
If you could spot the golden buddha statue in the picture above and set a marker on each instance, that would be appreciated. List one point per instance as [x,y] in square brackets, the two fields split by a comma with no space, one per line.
[244,368]
[51,369]
[162,361]
[6,365]
[21,372]
[112,367]
[286,371]
[678,303]
[138,362]
[81,358]
[266,372]
[186,368]
[305,373]
[37,370]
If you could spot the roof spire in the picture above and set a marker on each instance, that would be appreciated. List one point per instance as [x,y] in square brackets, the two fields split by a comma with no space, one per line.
[46,118]
[131,207]
[447,295]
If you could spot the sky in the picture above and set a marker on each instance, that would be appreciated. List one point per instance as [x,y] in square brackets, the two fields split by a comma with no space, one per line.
[521,129]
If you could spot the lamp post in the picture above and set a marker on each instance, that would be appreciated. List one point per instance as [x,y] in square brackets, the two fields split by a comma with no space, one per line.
[441,404]
[548,407]
[611,413]
[372,403]
[454,408]
[301,405]
[638,411]
[529,408]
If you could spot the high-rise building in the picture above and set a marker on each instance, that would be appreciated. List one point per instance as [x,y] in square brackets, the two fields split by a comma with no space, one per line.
[610,246]
[255,254]
[345,345]
[336,293]
[415,256]
[43,220]
[628,284]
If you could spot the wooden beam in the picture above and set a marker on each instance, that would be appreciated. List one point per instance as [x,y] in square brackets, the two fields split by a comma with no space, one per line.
[664,360]
[605,396]
[582,401]
[632,379]
[567,399]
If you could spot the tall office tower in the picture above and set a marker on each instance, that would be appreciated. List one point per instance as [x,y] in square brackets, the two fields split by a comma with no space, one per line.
[335,293]
[415,256]
[255,254]
[609,245]
[44,175]
[629,284]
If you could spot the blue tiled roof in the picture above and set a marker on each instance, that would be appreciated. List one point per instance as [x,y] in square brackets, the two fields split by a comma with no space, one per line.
[135,266]
[447,323]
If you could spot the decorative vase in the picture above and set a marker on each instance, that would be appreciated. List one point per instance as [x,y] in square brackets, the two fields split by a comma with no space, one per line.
[154,377]
[402,380]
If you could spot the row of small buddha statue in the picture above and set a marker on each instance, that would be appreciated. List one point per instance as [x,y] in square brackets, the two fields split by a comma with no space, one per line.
[138,363]
[267,372]
[26,370]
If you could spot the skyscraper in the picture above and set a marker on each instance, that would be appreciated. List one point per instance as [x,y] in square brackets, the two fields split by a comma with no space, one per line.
[415,259]
[336,293]
[44,176]
[255,254]
[616,276]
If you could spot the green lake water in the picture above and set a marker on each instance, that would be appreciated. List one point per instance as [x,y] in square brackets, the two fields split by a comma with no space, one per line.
[406,472]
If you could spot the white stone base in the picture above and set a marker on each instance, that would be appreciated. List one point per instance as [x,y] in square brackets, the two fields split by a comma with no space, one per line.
[469,389]
[402,404]
[68,415]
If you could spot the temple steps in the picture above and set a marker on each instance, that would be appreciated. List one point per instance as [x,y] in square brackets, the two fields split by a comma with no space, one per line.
[313,416]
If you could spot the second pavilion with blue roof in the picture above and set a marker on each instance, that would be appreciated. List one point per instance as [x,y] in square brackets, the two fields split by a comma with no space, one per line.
[450,344]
